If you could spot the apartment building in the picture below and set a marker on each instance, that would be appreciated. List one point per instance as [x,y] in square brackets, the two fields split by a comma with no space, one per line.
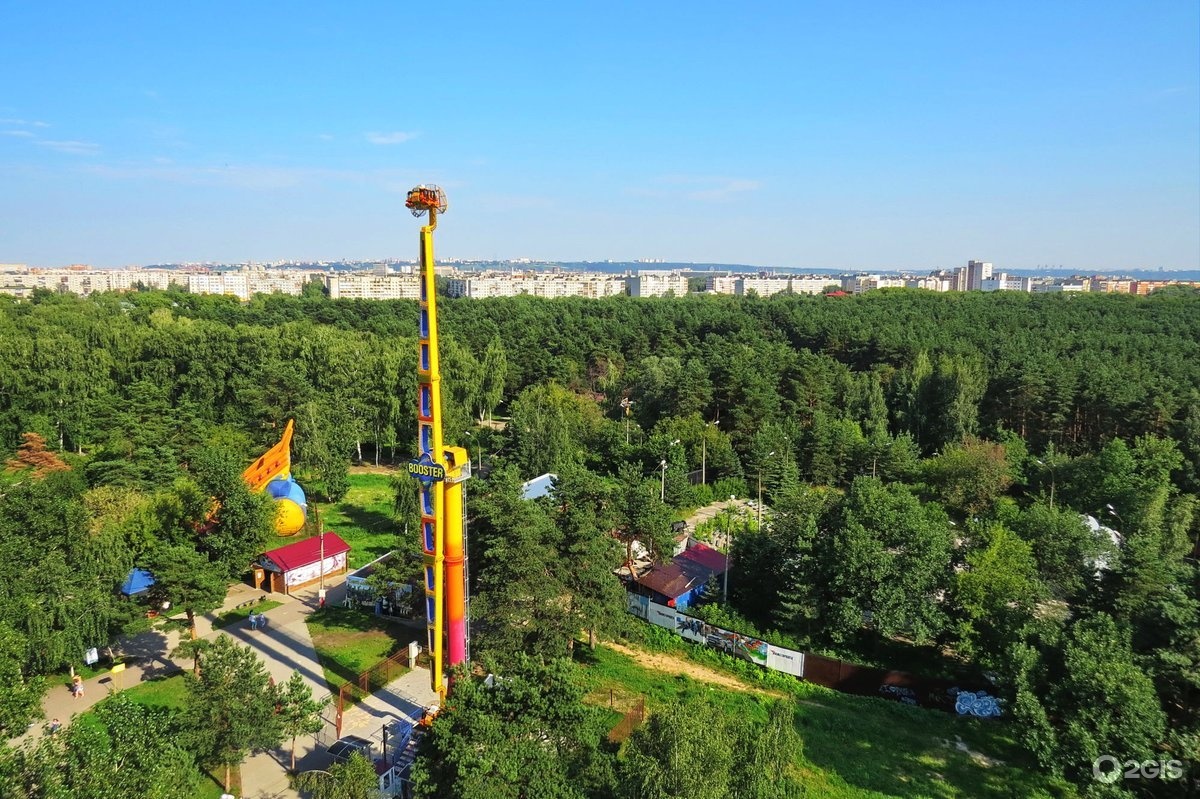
[538,284]
[367,286]
[656,283]
[762,286]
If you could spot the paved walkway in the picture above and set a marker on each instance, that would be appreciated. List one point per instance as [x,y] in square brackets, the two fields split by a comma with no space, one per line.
[284,645]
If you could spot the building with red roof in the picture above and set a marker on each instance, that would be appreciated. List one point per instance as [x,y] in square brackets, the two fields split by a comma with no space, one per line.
[680,582]
[300,563]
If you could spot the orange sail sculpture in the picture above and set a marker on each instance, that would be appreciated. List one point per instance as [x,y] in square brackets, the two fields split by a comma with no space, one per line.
[272,473]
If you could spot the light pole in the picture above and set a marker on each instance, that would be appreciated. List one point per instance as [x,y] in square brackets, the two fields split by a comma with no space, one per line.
[662,494]
[626,403]
[704,451]
[728,556]
[769,454]
[468,435]
[1050,466]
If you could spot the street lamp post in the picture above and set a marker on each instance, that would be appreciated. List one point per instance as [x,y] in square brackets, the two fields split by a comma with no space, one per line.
[728,556]
[626,403]
[662,494]
[704,451]
[1050,466]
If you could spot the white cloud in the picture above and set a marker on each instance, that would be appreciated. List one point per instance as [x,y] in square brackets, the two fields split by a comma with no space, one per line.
[325,136]
[72,147]
[24,123]
[396,137]
[22,133]
[695,187]
[252,176]
[725,191]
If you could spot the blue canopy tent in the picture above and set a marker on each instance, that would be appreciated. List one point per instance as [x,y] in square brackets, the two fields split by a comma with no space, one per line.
[138,581]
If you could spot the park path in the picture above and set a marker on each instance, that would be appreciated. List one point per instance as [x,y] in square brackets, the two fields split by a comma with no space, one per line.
[284,645]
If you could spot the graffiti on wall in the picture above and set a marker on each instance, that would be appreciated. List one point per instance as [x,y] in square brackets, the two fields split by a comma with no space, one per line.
[899,693]
[976,703]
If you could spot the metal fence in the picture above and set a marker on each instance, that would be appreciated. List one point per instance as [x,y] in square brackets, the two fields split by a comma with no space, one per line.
[373,679]
[629,722]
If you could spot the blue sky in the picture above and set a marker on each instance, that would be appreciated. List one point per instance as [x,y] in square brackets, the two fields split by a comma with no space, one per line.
[876,135]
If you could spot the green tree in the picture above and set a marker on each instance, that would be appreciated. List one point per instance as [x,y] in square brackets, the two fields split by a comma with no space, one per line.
[20,693]
[299,713]
[888,558]
[663,757]
[994,594]
[1086,699]
[529,735]
[520,593]
[494,375]
[121,749]
[244,520]
[766,757]
[641,516]
[967,477]
[353,779]
[1066,549]
[588,553]
[188,580]
[231,706]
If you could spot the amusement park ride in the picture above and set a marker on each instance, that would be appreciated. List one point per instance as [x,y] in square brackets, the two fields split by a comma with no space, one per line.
[273,473]
[441,471]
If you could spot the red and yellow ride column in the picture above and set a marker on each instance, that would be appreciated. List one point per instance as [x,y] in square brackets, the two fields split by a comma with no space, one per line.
[440,470]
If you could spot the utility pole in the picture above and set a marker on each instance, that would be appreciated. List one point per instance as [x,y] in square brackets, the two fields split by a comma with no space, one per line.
[321,536]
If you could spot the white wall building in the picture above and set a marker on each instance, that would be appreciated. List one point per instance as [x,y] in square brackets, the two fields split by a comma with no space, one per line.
[367,286]
[762,286]
[650,283]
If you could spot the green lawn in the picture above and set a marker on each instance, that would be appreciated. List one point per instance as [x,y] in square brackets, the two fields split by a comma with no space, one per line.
[165,692]
[348,642]
[363,518]
[853,747]
[241,614]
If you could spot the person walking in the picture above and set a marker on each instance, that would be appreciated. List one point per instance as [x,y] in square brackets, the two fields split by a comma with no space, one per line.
[77,687]
[253,620]
[55,726]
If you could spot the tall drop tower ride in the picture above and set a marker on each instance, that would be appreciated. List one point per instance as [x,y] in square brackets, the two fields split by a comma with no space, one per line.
[441,471]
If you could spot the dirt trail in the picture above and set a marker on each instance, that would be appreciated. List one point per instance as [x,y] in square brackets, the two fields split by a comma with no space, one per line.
[674,664]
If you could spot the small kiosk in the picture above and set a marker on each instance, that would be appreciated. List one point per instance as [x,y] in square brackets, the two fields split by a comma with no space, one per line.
[296,565]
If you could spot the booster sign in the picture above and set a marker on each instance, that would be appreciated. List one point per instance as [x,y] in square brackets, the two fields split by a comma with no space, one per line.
[425,470]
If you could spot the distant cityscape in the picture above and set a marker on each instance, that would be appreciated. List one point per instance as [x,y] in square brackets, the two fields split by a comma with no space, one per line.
[393,280]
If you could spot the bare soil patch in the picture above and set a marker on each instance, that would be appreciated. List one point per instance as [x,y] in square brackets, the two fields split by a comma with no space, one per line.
[673,664]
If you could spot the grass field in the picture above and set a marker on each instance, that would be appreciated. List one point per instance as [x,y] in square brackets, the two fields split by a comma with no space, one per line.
[853,747]
[363,518]
[348,642]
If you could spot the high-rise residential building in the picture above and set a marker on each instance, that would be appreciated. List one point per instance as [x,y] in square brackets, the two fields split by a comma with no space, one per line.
[368,286]
[656,283]
[762,286]
[977,272]
[538,284]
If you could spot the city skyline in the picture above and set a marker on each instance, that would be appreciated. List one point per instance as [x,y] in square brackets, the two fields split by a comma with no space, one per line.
[875,137]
